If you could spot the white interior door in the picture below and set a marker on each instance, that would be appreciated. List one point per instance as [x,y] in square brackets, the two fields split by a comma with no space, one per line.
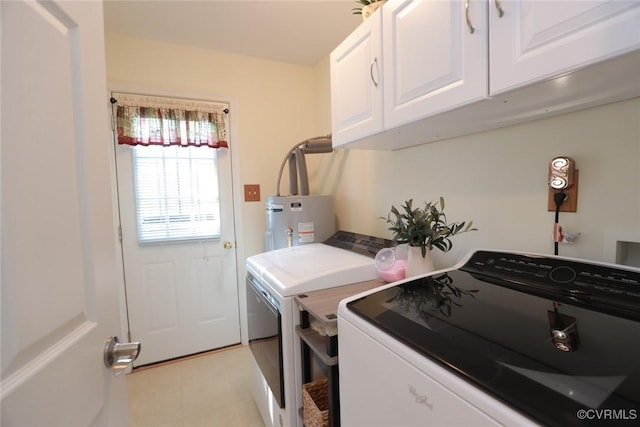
[59,246]
[182,297]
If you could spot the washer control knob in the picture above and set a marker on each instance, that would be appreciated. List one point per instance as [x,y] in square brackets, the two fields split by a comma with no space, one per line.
[562,274]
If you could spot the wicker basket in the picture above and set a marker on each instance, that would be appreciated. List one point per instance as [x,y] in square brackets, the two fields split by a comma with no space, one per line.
[315,403]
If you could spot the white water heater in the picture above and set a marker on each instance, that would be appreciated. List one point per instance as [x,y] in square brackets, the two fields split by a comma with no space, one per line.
[298,220]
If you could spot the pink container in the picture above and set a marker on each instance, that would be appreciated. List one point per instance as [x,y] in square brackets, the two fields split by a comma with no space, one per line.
[391,263]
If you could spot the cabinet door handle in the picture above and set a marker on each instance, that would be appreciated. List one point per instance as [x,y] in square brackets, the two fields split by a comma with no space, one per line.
[499,9]
[466,11]
[373,79]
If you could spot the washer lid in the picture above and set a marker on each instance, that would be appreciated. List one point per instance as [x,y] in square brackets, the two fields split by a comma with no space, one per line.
[547,335]
[307,268]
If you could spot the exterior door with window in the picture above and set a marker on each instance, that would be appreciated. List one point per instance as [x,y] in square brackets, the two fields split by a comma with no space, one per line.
[178,240]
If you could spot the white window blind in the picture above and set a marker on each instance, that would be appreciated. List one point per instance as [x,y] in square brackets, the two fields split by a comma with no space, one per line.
[177,196]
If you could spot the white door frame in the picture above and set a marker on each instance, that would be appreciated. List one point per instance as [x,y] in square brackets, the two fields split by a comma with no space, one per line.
[236,187]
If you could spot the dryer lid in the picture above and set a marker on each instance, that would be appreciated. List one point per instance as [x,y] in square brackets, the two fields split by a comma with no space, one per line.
[307,268]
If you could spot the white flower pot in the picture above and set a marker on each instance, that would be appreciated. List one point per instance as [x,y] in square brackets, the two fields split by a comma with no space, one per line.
[370,8]
[417,265]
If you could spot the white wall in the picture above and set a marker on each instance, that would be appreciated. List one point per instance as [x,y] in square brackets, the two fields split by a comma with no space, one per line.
[498,179]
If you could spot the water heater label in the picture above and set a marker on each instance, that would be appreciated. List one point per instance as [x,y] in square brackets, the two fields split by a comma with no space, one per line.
[306,232]
[296,206]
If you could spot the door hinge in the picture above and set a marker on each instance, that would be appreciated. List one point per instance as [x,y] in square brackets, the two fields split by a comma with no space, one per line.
[120,238]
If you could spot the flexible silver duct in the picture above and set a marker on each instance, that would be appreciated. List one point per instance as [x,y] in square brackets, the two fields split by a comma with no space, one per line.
[303,176]
[293,172]
[298,164]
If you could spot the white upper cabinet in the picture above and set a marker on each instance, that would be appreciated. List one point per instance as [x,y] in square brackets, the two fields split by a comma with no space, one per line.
[356,83]
[435,57]
[426,70]
[536,40]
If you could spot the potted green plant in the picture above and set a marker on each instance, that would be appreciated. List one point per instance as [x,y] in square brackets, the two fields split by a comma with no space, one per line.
[367,8]
[423,229]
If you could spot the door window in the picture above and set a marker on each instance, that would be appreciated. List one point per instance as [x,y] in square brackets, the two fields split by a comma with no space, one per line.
[176,192]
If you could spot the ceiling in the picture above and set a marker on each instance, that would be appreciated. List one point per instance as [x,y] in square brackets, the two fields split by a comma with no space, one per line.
[299,32]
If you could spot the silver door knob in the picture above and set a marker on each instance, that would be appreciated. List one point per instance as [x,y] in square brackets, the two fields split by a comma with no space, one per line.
[119,356]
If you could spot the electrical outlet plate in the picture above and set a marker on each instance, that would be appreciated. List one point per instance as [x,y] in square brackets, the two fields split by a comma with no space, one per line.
[252,192]
[570,204]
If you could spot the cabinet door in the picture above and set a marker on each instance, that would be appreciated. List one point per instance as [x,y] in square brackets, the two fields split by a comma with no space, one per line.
[535,40]
[435,57]
[356,83]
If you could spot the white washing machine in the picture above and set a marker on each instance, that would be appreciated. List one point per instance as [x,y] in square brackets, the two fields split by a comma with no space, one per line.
[273,279]
[502,339]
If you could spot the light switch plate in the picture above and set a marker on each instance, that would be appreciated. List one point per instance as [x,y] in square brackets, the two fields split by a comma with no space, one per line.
[252,192]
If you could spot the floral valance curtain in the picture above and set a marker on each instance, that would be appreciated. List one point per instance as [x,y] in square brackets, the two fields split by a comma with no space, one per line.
[151,120]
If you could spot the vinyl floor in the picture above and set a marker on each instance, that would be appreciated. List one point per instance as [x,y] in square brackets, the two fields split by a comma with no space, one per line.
[208,390]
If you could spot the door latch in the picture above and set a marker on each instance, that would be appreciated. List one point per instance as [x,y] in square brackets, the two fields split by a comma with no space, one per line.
[119,356]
